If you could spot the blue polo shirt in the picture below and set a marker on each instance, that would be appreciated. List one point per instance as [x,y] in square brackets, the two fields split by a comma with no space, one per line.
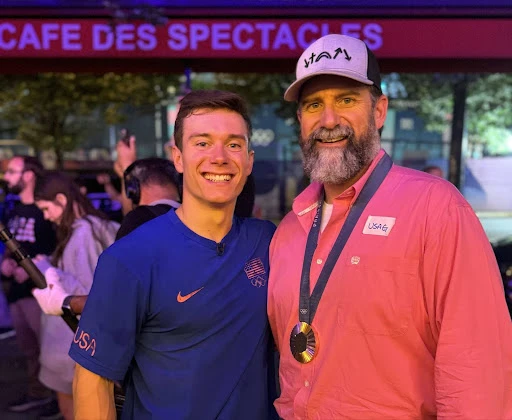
[182,320]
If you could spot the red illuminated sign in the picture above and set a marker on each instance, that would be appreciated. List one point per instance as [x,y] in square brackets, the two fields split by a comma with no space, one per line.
[253,38]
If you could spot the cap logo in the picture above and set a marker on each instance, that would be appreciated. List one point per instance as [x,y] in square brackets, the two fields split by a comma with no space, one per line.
[327,55]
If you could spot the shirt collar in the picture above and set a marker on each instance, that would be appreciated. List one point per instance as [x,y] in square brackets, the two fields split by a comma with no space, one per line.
[309,199]
[167,201]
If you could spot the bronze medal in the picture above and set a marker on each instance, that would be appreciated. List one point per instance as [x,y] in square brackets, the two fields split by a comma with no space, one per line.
[303,342]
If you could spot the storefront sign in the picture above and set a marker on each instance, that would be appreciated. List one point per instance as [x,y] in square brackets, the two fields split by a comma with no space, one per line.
[251,38]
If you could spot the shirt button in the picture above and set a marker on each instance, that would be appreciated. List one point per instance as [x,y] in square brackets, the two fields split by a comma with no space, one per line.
[306,384]
[319,261]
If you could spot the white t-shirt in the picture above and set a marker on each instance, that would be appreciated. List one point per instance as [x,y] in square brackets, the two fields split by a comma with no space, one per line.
[326,215]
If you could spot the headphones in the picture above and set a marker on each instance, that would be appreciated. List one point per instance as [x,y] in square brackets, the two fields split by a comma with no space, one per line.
[132,175]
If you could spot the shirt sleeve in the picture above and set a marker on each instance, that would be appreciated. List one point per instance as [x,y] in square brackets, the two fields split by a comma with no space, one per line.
[105,340]
[468,317]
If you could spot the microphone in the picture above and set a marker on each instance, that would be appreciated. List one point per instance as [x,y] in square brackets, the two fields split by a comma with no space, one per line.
[220,248]
[24,260]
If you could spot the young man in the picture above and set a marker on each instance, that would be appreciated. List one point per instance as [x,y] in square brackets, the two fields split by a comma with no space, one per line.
[178,307]
[36,236]
[397,309]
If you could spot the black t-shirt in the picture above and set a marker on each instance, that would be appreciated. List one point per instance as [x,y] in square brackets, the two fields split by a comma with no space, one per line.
[35,235]
[139,216]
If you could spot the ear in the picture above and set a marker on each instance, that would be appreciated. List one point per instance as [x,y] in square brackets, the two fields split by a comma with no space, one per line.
[299,115]
[177,157]
[61,200]
[381,111]
[251,163]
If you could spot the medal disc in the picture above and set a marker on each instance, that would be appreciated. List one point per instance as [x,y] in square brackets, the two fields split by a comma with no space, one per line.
[303,343]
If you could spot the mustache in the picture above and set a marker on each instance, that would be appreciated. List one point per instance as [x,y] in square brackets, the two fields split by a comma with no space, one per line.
[323,133]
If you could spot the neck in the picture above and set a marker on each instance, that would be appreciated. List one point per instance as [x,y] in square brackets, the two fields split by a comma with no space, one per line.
[211,223]
[27,196]
[333,190]
[147,196]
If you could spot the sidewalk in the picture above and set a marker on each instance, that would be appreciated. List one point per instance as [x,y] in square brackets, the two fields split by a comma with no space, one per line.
[12,380]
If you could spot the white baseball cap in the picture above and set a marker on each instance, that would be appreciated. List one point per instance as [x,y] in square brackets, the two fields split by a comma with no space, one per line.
[339,55]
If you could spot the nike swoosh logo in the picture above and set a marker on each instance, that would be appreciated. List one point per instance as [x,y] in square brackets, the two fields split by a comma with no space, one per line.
[182,299]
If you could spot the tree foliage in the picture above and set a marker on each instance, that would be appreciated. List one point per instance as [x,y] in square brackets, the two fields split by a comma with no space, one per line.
[259,89]
[488,119]
[48,109]
[488,110]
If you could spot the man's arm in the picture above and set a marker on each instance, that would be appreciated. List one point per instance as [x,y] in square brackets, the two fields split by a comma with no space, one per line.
[468,317]
[93,396]
[126,155]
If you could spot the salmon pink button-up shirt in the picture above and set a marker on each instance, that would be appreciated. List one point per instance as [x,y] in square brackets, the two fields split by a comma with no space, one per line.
[413,321]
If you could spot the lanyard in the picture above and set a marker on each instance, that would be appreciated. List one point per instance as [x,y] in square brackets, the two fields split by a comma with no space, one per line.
[309,304]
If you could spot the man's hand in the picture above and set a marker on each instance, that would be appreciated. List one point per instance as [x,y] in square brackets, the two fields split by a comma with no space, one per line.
[20,275]
[50,299]
[103,179]
[8,267]
[126,155]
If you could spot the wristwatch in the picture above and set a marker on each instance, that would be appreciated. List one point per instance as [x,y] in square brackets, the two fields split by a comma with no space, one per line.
[66,305]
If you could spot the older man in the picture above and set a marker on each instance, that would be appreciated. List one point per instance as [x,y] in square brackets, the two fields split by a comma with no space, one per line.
[397,308]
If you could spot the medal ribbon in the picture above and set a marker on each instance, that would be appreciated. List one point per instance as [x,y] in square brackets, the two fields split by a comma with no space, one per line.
[309,304]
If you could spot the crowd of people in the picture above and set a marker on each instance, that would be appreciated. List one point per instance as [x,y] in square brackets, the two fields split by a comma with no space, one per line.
[378,296]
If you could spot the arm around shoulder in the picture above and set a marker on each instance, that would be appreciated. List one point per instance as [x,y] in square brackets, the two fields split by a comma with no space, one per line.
[93,396]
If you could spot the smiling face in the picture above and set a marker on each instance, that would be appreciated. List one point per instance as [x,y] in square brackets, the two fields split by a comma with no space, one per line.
[339,128]
[214,158]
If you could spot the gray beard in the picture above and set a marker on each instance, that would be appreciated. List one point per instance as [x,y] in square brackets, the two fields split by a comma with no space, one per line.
[336,165]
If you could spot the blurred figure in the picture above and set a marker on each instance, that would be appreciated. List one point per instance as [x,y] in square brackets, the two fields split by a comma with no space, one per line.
[104,180]
[36,236]
[83,232]
[126,154]
[434,170]
[151,185]
[245,201]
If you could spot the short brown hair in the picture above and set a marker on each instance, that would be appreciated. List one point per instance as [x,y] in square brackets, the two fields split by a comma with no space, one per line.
[212,100]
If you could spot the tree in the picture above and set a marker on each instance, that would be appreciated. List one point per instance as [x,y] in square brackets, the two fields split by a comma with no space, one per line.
[259,89]
[488,113]
[488,110]
[48,108]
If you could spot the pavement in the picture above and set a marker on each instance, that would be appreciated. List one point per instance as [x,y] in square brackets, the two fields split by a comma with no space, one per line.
[13,380]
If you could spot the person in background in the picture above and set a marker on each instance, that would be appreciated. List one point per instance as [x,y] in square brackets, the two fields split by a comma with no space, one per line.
[187,284]
[151,184]
[36,236]
[105,180]
[397,309]
[82,234]
[434,170]
[245,201]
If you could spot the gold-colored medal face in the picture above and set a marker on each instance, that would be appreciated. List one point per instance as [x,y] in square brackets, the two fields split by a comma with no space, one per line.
[303,343]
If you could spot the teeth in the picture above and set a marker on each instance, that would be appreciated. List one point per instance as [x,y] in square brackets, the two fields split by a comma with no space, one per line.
[332,140]
[218,178]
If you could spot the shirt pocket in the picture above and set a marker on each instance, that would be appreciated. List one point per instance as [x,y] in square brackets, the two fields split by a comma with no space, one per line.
[376,294]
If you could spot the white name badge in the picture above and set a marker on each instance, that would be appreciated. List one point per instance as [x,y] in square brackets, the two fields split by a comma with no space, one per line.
[378,225]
